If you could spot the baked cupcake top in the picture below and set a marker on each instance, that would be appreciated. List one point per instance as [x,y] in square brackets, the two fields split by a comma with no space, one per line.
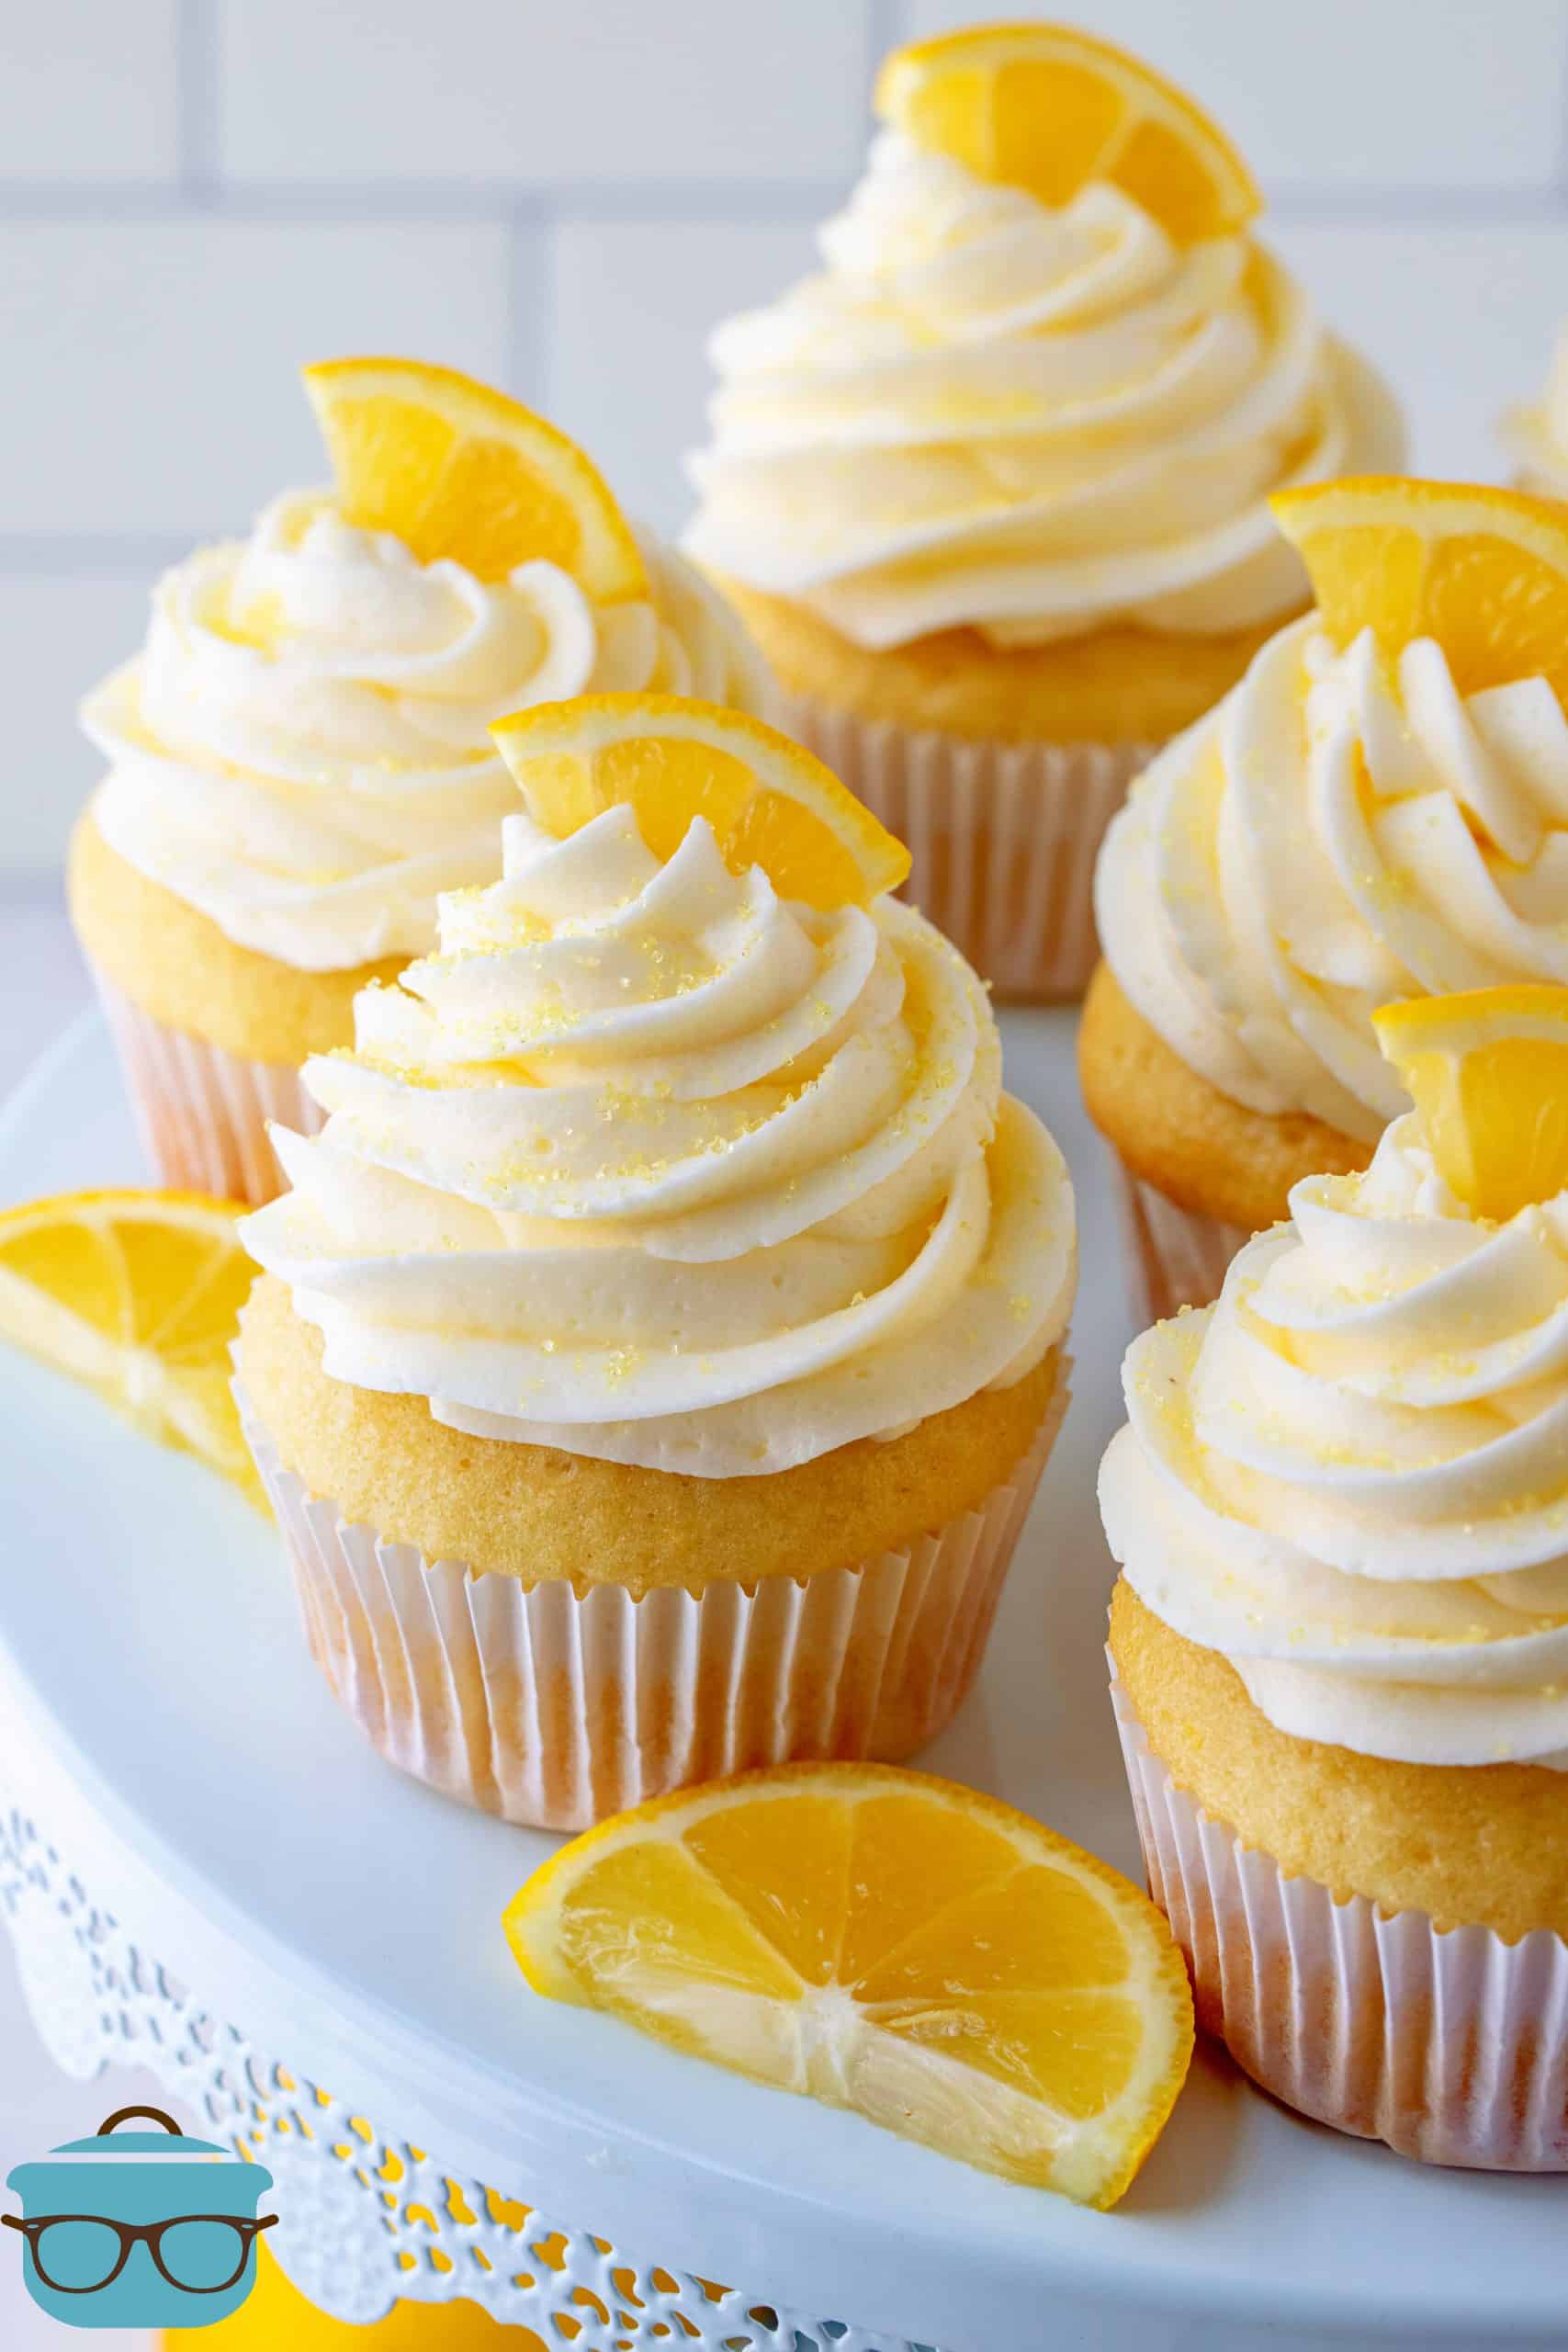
[1379,809]
[1350,1475]
[1046,376]
[1537,435]
[301,749]
[653,1163]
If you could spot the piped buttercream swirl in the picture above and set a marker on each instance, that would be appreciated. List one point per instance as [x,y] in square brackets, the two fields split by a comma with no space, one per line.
[302,750]
[1350,1475]
[1339,832]
[985,412]
[652,1165]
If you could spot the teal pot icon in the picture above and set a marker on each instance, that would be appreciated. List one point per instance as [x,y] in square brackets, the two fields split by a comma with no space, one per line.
[139,2229]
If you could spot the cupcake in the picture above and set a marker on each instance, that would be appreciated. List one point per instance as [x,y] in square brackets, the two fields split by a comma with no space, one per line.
[1379,809]
[299,761]
[1340,1634]
[989,489]
[662,1339]
[1538,435]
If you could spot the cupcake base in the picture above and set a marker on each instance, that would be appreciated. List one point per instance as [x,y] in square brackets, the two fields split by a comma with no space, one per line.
[555,1707]
[1451,2046]
[1175,1257]
[202,1113]
[1003,837]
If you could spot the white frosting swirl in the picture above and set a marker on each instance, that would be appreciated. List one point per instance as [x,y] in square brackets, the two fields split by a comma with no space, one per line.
[654,1165]
[1336,833]
[302,751]
[1351,1476]
[1034,421]
[1538,435]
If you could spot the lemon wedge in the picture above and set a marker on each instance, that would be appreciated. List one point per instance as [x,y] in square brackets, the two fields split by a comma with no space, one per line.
[1488,1070]
[137,1295]
[669,759]
[1484,572]
[885,1942]
[1048,108]
[455,468]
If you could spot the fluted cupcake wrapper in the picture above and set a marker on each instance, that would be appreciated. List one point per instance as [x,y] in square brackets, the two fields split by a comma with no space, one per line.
[202,1113]
[557,1707]
[1003,836]
[1451,2045]
[1174,1256]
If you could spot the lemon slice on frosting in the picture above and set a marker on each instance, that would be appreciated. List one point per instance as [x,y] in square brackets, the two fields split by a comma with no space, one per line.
[137,1295]
[887,1942]
[1048,108]
[1488,1070]
[669,759]
[1482,571]
[455,468]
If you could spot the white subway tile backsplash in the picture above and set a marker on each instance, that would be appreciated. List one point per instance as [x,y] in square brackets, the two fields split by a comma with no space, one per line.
[528,93]
[1460,316]
[158,390]
[568,198]
[1347,94]
[88,91]
[632,305]
[74,631]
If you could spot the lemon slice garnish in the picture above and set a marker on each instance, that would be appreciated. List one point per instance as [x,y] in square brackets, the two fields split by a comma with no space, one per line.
[887,1942]
[770,802]
[456,469]
[1488,1070]
[1484,572]
[1047,109]
[137,1295]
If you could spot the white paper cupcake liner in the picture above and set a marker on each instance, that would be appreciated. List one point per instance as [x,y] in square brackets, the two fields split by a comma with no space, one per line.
[1174,1257]
[1451,2045]
[202,1113]
[556,1708]
[1004,837]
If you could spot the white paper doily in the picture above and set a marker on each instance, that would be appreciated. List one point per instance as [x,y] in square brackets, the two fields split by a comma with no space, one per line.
[366,2219]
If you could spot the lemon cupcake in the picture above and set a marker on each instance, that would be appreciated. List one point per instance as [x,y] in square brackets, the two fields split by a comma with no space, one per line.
[1379,809]
[1537,436]
[661,1340]
[299,759]
[989,489]
[1340,1639]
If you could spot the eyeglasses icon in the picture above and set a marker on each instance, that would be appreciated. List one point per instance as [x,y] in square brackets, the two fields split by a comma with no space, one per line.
[80,2254]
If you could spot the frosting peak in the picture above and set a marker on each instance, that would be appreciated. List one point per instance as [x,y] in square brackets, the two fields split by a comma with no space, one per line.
[1339,832]
[651,1164]
[1351,1476]
[302,751]
[1031,420]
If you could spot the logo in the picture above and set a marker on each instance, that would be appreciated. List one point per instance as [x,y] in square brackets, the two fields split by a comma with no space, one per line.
[145,2229]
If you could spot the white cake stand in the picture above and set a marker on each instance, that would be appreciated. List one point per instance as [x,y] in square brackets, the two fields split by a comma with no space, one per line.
[207,1871]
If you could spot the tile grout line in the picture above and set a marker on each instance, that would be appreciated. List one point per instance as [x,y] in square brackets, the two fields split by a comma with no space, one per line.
[195,101]
[529,304]
[118,555]
[1413,205]
[658,202]
[434,201]
[885,30]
